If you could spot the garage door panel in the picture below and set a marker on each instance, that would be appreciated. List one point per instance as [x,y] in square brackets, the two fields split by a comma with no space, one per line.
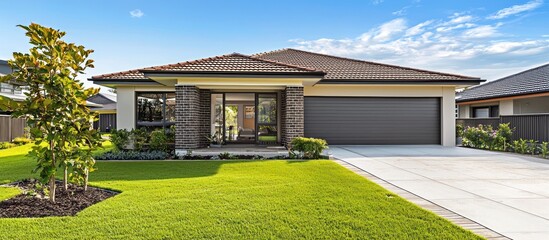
[365,120]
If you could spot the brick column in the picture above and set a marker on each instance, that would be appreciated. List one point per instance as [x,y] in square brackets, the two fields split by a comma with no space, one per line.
[283,117]
[187,115]
[205,116]
[294,114]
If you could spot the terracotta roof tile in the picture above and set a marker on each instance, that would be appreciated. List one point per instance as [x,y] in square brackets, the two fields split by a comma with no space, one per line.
[339,68]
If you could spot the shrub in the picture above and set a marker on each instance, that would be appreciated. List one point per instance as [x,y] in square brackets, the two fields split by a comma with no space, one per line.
[139,137]
[485,137]
[474,136]
[133,155]
[120,138]
[532,147]
[520,146]
[159,140]
[310,148]
[21,140]
[6,145]
[544,149]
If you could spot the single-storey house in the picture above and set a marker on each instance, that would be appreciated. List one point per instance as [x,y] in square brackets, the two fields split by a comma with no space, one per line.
[273,97]
[104,104]
[526,92]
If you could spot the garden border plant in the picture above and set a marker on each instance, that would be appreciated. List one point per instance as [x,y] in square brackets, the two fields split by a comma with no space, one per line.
[485,137]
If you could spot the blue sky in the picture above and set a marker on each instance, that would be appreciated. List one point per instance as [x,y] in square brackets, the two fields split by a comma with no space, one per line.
[488,39]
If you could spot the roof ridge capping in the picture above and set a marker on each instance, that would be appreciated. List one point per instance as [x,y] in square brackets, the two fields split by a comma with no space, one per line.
[365,61]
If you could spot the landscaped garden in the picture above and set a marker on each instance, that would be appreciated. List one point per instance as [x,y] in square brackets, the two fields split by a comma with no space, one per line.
[228,199]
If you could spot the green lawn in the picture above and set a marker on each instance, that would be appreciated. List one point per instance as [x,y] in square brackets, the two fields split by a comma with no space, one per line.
[229,200]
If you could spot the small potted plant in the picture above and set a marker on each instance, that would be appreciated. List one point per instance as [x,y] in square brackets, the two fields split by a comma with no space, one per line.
[215,140]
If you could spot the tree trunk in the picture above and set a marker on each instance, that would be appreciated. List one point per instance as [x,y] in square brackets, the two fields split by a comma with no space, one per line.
[86,174]
[52,188]
[66,178]
[52,177]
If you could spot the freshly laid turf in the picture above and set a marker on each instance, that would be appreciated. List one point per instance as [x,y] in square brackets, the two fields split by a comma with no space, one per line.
[229,200]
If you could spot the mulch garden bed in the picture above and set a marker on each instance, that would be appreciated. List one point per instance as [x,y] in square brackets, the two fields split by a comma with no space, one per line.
[32,203]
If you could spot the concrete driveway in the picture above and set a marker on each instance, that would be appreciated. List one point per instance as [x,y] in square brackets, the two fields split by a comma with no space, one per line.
[505,192]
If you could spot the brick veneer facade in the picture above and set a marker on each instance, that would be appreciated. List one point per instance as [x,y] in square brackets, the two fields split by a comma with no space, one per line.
[193,116]
[293,114]
[187,117]
[205,116]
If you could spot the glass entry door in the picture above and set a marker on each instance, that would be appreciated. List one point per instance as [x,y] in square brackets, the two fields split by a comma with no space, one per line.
[267,118]
[244,118]
[240,118]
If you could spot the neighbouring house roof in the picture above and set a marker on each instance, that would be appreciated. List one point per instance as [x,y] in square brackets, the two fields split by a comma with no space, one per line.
[102,101]
[346,69]
[333,69]
[535,80]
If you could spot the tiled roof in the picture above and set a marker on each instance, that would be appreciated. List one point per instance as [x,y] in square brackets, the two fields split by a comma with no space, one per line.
[292,61]
[535,80]
[339,68]
[126,75]
[231,63]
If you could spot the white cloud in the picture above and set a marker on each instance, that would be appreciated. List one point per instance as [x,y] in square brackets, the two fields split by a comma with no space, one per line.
[401,12]
[456,44]
[483,31]
[389,29]
[461,19]
[454,27]
[417,29]
[503,13]
[136,13]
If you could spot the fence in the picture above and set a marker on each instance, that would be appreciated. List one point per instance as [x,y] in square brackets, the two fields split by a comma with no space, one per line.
[531,126]
[11,128]
[106,121]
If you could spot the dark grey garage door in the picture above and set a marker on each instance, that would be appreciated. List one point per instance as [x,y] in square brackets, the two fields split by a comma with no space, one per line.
[373,120]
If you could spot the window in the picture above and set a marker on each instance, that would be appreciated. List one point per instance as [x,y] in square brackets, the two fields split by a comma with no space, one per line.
[486,112]
[155,110]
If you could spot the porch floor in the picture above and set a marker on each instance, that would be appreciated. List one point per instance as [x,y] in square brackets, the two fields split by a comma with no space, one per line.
[243,149]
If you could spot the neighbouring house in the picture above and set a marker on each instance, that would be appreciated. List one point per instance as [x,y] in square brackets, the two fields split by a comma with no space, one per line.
[521,99]
[10,127]
[11,89]
[105,105]
[273,97]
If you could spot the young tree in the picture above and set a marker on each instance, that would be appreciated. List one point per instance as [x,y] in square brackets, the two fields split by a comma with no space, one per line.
[55,107]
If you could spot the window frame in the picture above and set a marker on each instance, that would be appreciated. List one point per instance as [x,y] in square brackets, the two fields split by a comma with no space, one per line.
[165,126]
[491,111]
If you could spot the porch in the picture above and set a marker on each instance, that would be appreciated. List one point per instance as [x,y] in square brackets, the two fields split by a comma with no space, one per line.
[243,121]
[243,149]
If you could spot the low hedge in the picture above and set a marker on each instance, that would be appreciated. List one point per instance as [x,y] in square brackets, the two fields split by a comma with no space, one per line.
[133,155]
